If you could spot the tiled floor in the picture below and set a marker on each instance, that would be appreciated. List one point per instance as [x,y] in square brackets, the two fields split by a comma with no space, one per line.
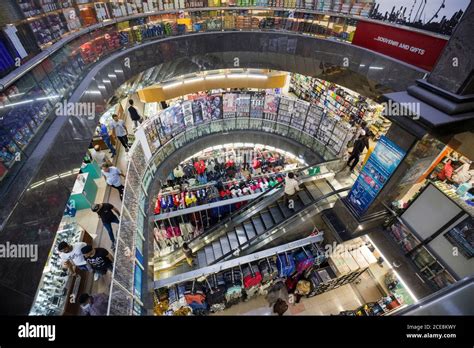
[328,303]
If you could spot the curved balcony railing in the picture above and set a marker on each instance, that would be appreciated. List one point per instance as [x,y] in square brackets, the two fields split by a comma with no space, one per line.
[29,97]
[126,293]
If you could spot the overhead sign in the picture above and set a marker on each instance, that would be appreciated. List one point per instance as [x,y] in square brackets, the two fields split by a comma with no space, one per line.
[418,49]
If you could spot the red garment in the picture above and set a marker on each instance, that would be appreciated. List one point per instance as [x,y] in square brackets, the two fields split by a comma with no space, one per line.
[200,167]
[229,164]
[446,172]
[157,206]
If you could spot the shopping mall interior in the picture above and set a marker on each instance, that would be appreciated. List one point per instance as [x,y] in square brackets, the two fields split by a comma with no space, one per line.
[236,158]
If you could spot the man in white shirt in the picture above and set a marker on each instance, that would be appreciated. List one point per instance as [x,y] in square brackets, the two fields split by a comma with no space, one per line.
[291,187]
[99,156]
[120,131]
[112,177]
[72,256]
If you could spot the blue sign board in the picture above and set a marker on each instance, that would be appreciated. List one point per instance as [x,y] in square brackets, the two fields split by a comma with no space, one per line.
[377,170]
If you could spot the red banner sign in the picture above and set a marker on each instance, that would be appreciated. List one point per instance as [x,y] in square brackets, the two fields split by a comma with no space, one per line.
[411,47]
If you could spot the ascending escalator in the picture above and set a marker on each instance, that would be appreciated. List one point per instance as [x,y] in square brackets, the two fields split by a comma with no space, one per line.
[269,218]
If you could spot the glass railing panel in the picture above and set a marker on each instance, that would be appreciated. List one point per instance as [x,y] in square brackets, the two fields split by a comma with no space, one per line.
[121,301]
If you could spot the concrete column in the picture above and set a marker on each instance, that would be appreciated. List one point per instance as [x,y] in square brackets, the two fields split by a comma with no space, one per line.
[454,70]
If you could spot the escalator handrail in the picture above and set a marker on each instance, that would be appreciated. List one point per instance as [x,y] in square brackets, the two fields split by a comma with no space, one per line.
[244,208]
[336,192]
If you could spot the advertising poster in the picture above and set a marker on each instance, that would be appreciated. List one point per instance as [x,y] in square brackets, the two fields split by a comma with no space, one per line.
[270,106]
[188,113]
[172,120]
[411,47]
[205,108]
[197,112]
[229,105]
[215,106]
[379,167]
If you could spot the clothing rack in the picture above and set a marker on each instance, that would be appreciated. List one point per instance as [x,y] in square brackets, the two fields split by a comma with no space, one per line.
[237,262]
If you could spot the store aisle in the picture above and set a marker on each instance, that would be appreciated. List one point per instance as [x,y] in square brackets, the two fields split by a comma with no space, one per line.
[328,303]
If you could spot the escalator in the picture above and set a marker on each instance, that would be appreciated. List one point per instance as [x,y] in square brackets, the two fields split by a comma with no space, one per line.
[253,221]
[273,217]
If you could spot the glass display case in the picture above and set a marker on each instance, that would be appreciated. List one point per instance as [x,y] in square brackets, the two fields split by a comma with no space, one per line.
[58,289]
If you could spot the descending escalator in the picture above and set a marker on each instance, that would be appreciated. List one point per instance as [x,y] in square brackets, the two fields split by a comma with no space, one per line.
[274,215]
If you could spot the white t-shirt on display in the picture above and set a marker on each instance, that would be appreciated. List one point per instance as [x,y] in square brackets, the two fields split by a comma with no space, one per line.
[112,176]
[75,255]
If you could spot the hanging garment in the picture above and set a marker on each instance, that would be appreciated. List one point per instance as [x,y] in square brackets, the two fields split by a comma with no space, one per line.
[252,276]
[157,209]
[178,172]
[304,260]
[268,269]
[286,265]
[190,199]
[200,167]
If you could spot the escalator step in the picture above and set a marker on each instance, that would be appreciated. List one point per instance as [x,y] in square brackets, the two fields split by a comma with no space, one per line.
[304,196]
[313,190]
[249,230]
[298,204]
[234,243]
[258,224]
[323,186]
[241,234]
[225,245]
[267,219]
[209,254]
[276,214]
[201,256]
[284,208]
[216,247]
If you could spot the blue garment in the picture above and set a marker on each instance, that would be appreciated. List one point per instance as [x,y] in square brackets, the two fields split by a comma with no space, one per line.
[104,133]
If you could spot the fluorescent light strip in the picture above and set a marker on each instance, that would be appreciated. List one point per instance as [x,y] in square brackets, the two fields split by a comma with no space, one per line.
[391,267]
[261,77]
[376,68]
[196,79]
[215,77]
[175,84]
[237,76]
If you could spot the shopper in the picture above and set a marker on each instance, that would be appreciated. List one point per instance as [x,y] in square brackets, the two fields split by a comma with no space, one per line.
[94,304]
[277,297]
[72,257]
[104,134]
[359,146]
[106,214]
[134,115]
[100,260]
[100,157]
[291,187]
[112,176]
[188,253]
[120,131]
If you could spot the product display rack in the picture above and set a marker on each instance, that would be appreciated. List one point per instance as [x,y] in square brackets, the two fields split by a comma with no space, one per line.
[56,285]
[424,260]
